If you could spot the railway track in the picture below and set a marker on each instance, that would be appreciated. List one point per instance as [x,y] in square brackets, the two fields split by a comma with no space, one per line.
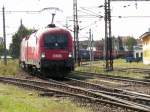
[83,94]
[127,79]
[124,94]
[134,70]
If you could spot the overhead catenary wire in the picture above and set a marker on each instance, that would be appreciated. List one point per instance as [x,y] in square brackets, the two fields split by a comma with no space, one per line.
[22,11]
[34,11]
[90,14]
[146,16]
[89,11]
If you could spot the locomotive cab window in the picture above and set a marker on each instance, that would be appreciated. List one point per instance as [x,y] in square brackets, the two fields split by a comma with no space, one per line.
[55,41]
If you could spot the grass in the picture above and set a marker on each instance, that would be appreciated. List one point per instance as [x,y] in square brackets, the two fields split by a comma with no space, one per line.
[123,63]
[98,67]
[13,99]
[11,68]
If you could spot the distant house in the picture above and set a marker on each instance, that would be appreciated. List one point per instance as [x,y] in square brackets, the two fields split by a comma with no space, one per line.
[138,51]
[146,47]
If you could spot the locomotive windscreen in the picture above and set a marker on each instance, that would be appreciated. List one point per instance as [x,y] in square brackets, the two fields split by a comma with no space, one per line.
[55,41]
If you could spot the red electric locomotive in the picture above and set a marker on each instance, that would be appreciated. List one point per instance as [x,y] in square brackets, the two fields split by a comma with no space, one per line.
[48,51]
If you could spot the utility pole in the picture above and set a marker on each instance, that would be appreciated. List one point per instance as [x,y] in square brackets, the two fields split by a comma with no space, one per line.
[108,38]
[76,31]
[91,46]
[4,36]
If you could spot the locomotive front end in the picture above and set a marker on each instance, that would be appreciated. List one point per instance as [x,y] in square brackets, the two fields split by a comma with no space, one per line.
[56,55]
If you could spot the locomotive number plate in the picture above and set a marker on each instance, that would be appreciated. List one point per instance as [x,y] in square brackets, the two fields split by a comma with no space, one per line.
[57,55]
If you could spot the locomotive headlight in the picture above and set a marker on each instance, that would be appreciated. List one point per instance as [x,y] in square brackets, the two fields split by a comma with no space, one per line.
[43,55]
[70,55]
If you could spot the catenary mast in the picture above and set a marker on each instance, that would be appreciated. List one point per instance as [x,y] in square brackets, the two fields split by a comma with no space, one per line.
[108,39]
[76,30]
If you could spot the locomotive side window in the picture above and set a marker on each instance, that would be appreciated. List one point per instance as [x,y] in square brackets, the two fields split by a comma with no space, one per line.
[55,41]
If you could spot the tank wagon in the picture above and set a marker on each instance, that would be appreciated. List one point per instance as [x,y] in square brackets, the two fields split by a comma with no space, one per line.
[49,51]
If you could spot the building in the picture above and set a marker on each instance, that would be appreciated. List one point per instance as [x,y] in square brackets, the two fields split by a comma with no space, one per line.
[146,47]
[137,51]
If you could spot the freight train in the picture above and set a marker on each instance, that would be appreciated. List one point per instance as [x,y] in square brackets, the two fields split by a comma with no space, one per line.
[84,54]
[49,51]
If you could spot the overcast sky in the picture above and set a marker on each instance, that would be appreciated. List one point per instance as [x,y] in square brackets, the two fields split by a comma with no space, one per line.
[134,21]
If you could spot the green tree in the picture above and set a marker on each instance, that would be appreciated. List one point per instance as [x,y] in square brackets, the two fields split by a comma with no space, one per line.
[1,49]
[16,40]
[120,44]
[130,43]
